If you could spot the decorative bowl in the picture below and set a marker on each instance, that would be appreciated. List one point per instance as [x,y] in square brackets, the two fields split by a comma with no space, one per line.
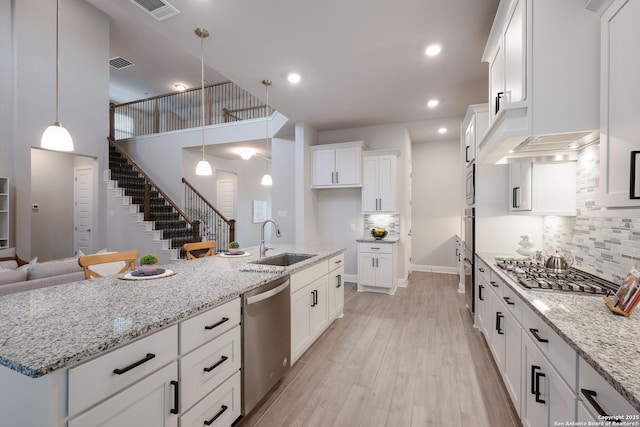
[148,269]
[234,251]
[379,233]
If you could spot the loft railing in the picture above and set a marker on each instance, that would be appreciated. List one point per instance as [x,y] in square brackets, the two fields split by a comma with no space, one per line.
[213,224]
[224,102]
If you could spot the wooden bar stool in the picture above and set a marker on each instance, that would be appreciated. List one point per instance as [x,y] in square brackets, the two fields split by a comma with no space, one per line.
[127,259]
[199,246]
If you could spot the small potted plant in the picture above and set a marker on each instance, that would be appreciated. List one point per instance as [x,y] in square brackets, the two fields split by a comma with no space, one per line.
[149,263]
[234,248]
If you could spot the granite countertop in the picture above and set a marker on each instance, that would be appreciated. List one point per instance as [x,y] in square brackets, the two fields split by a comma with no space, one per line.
[371,239]
[609,343]
[59,326]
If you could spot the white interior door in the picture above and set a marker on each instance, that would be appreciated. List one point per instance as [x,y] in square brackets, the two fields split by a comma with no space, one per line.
[83,209]
[226,197]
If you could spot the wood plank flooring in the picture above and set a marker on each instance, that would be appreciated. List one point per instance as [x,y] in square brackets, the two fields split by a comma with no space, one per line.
[413,359]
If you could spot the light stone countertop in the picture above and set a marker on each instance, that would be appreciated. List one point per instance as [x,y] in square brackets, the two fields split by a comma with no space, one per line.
[607,342]
[59,326]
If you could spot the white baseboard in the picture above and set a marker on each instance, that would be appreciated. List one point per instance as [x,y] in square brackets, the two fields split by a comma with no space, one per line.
[434,269]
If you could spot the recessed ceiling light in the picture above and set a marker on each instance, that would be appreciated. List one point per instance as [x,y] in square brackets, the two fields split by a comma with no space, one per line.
[433,50]
[442,130]
[573,146]
[180,88]
[433,103]
[294,77]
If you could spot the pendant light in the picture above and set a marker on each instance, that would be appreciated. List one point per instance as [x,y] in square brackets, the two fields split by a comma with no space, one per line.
[56,137]
[203,167]
[266,179]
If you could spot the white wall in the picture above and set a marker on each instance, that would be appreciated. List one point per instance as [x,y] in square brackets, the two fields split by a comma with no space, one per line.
[283,197]
[30,78]
[306,201]
[436,205]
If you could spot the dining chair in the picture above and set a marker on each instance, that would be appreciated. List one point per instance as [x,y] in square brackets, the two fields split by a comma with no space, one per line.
[199,246]
[126,260]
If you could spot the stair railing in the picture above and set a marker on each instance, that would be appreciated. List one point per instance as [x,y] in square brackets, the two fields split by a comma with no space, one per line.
[214,225]
[149,186]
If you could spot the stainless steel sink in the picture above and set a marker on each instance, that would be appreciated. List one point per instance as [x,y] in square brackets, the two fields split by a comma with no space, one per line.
[283,260]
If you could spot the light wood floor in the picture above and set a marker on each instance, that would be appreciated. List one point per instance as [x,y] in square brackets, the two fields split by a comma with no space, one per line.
[413,359]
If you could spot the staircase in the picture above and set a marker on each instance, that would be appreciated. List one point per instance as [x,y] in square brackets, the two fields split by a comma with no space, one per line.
[160,215]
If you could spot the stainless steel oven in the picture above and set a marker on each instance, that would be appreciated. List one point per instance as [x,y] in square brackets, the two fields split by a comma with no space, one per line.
[469,251]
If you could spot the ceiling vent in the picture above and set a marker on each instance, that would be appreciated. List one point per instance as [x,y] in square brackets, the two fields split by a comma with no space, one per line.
[159,9]
[119,63]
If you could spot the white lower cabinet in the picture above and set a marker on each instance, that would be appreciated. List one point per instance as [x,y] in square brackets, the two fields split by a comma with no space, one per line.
[219,408]
[512,367]
[151,402]
[317,299]
[377,267]
[309,316]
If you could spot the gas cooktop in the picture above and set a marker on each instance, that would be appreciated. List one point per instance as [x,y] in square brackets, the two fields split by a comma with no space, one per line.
[533,275]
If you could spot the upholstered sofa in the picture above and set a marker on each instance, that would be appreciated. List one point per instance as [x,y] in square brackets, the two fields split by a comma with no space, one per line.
[17,275]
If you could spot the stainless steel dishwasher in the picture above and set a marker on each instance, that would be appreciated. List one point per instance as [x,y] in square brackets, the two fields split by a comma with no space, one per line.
[266,340]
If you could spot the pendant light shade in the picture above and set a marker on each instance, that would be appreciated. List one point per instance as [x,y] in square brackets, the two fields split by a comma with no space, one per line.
[203,167]
[266,179]
[56,137]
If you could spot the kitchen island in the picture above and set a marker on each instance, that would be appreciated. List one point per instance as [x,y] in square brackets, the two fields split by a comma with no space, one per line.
[607,343]
[46,331]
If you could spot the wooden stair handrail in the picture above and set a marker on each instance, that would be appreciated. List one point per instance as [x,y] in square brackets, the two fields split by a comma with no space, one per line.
[194,224]
[225,219]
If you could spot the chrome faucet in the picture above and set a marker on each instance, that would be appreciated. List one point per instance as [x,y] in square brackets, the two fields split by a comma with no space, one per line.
[263,247]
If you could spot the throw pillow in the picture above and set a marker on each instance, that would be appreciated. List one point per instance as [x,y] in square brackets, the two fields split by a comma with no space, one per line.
[8,258]
[30,264]
[8,276]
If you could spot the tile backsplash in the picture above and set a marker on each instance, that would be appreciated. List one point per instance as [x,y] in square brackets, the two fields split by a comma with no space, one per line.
[606,246]
[391,223]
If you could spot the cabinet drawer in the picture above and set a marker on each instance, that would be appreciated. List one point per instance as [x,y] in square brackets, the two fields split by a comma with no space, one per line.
[605,395]
[147,403]
[561,356]
[302,278]
[223,404]
[336,262]
[93,381]
[381,248]
[206,368]
[496,284]
[483,270]
[513,302]
[205,326]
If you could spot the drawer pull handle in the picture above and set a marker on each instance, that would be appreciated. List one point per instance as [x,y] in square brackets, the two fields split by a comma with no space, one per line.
[148,357]
[590,395]
[338,261]
[376,248]
[176,398]
[493,283]
[215,325]
[216,416]
[481,270]
[508,300]
[534,332]
[215,365]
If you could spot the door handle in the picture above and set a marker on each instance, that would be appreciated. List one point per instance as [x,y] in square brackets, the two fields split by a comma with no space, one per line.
[466,154]
[176,398]
[268,294]
[339,276]
[480,289]
[499,317]
[538,375]
[337,179]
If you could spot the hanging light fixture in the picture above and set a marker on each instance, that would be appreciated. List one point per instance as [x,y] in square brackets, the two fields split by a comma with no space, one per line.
[266,179]
[203,167]
[56,137]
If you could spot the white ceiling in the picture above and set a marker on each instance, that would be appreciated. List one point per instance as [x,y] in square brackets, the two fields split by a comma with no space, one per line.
[362,61]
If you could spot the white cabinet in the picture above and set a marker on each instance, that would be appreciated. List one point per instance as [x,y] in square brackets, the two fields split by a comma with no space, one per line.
[309,315]
[520,186]
[473,128]
[336,286]
[219,408]
[377,267]
[151,402]
[536,89]
[543,188]
[4,212]
[620,109]
[598,399]
[337,165]
[379,184]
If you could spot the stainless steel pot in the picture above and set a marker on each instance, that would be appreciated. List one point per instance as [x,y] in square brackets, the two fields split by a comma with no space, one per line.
[557,263]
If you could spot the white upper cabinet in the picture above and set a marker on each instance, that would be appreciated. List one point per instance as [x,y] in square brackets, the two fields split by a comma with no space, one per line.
[473,128]
[620,106]
[520,186]
[337,165]
[543,188]
[543,61]
[379,183]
